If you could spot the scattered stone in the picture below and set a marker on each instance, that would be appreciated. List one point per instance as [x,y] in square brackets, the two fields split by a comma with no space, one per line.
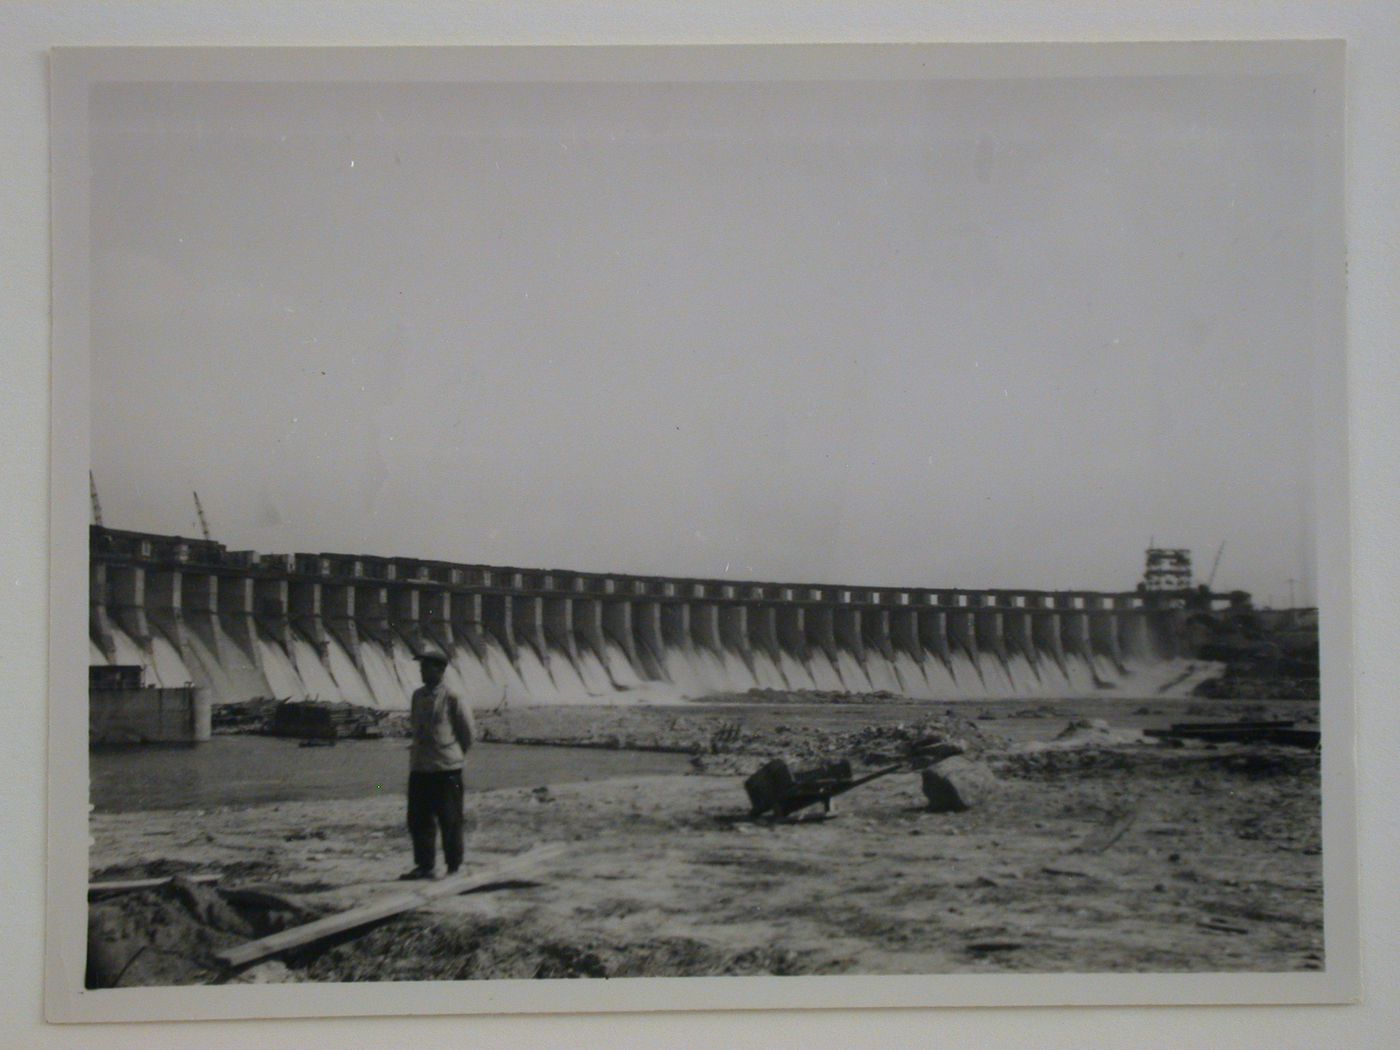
[989,947]
[957,784]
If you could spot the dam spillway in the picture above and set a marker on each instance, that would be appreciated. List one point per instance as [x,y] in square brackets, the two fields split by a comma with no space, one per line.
[347,627]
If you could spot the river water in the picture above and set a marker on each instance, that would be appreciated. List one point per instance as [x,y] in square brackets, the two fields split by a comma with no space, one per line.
[245,770]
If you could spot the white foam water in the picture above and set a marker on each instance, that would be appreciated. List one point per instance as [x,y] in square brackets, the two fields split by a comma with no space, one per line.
[313,673]
[282,678]
[824,674]
[215,654]
[620,669]
[568,683]
[593,673]
[348,680]
[468,677]
[381,678]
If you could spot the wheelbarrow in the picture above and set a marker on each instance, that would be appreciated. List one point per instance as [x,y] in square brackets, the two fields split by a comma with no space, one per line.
[782,791]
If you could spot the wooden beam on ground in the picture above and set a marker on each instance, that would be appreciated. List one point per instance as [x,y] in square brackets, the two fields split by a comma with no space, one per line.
[522,864]
[98,889]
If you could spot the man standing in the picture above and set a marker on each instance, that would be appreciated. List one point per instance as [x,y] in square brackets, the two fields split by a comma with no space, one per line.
[442,734]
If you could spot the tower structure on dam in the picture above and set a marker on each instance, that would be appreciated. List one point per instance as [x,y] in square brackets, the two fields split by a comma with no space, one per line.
[346,627]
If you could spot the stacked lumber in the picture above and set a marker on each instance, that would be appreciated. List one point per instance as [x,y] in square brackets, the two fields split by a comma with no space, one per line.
[323,720]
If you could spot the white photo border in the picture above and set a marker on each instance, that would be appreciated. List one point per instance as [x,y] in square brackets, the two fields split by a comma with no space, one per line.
[75,71]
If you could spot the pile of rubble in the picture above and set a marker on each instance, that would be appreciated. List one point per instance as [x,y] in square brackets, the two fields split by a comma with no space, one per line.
[806,696]
[309,719]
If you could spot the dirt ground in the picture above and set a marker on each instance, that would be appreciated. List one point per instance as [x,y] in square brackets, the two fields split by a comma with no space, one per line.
[1096,852]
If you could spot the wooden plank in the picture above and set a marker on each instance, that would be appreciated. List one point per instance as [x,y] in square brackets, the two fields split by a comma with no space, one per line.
[128,885]
[522,864]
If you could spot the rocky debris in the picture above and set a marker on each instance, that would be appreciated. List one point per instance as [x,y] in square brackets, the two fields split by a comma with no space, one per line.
[1239,686]
[1253,761]
[1088,732]
[669,879]
[956,784]
[308,718]
[169,934]
[725,743]
[807,696]
[931,756]
[245,716]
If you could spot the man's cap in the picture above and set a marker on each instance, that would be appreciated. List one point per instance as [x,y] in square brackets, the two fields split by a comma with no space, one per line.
[432,654]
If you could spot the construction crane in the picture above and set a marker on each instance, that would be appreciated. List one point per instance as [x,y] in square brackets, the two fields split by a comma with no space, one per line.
[96,503]
[203,525]
[1210,580]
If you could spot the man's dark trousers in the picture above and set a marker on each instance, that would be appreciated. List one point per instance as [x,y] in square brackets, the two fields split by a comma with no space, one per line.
[435,801]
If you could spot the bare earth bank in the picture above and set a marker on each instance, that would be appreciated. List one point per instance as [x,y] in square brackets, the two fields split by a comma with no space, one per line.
[1111,856]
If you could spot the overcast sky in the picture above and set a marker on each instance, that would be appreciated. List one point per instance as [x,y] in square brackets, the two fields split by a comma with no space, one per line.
[973,333]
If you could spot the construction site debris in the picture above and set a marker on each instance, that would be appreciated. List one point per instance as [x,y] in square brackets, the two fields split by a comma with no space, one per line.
[666,879]
[778,789]
[103,889]
[1273,732]
[165,935]
[957,784]
[1085,733]
[307,719]
[726,742]
[514,868]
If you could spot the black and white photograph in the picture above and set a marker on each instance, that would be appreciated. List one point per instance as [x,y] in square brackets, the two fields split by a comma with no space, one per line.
[827,521]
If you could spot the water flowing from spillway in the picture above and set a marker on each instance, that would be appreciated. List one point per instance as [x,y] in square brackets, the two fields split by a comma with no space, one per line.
[234,660]
[348,680]
[881,673]
[852,674]
[469,676]
[380,677]
[620,669]
[567,681]
[238,658]
[204,665]
[911,677]
[794,672]
[766,672]
[169,668]
[823,672]
[535,675]
[282,676]
[593,673]
[315,676]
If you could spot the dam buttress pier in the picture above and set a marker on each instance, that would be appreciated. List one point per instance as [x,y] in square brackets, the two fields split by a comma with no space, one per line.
[346,627]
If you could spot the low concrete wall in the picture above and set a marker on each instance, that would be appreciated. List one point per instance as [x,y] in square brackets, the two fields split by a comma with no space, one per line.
[148,716]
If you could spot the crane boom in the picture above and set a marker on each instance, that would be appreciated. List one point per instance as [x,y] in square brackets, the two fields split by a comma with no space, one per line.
[1210,580]
[203,525]
[96,503]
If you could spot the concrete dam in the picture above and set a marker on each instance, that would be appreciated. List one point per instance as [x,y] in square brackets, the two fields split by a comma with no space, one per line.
[334,627]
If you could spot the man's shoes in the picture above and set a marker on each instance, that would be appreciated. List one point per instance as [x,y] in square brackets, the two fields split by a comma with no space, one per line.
[454,870]
[416,874]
